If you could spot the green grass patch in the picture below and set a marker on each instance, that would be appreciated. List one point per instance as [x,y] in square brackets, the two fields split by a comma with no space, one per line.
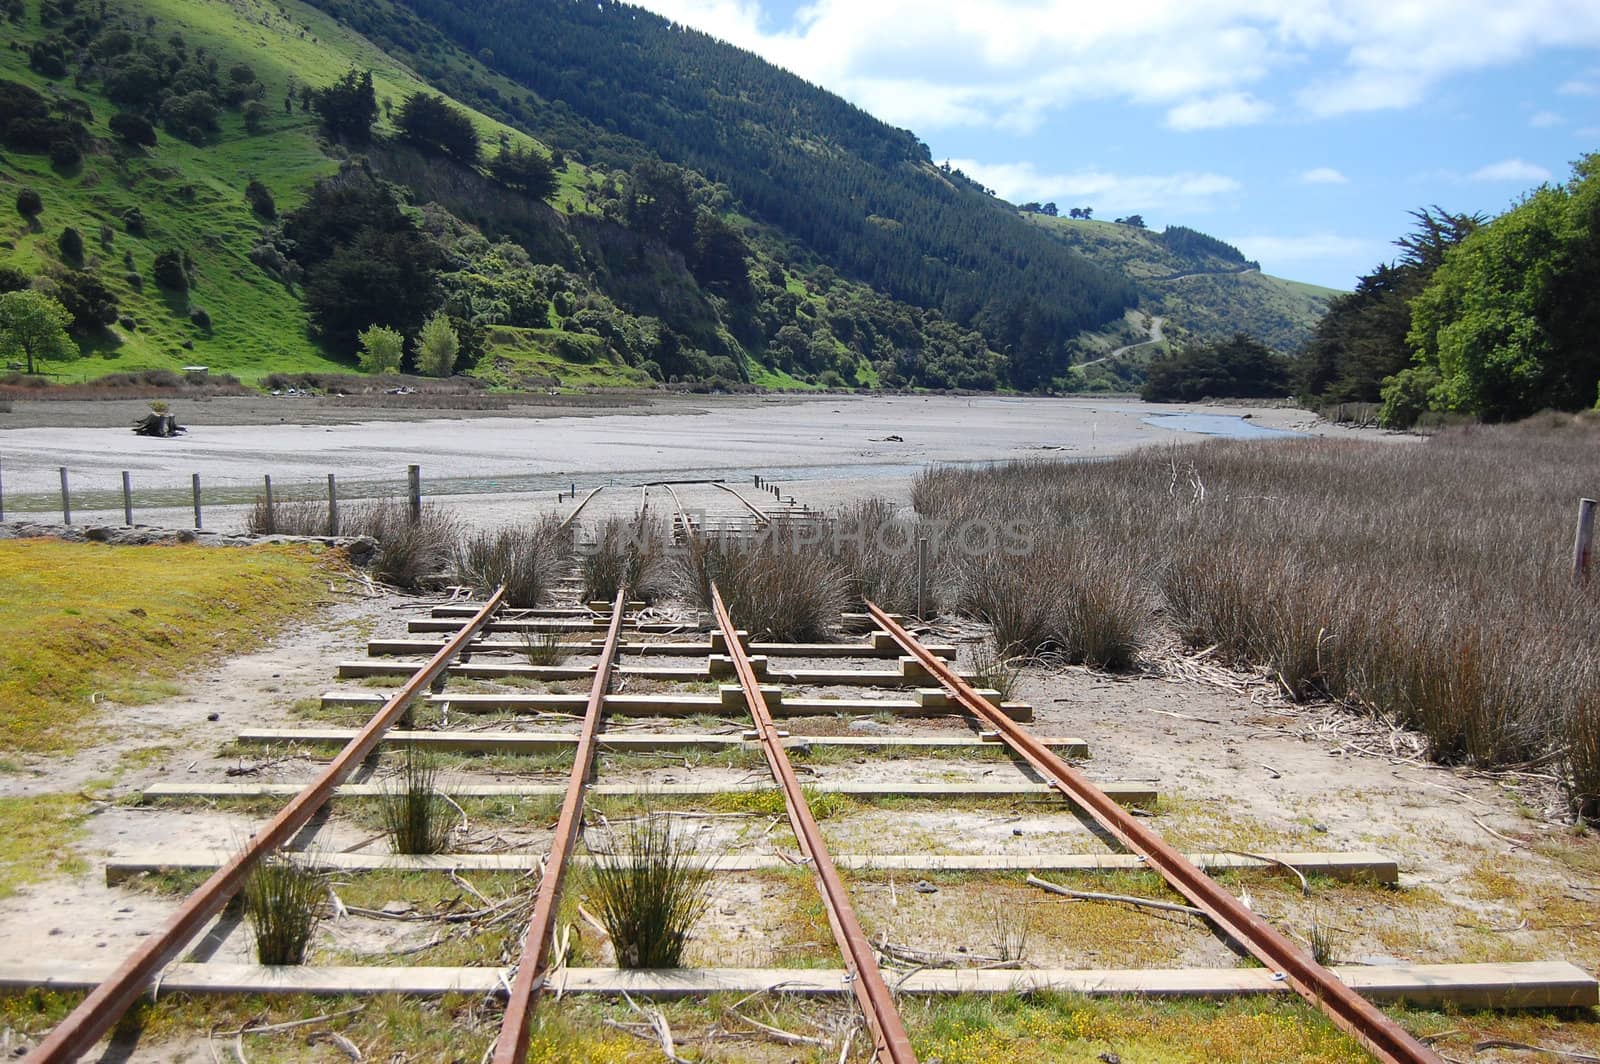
[84,624]
[36,838]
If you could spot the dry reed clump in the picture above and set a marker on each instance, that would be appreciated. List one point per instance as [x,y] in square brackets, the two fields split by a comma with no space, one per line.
[1062,596]
[625,553]
[418,816]
[650,892]
[282,904]
[877,549]
[777,584]
[1428,583]
[290,517]
[410,554]
[527,559]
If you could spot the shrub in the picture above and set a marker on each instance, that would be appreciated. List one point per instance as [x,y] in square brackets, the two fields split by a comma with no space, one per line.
[169,272]
[133,219]
[65,154]
[624,553]
[259,197]
[381,349]
[200,317]
[649,892]
[29,203]
[777,585]
[416,814]
[527,559]
[192,116]
[437,345]
[255,116]
[283,904]
[134,129]
[70,244]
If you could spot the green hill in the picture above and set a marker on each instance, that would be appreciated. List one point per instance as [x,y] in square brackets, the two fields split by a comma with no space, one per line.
[710,220]
[1207,294]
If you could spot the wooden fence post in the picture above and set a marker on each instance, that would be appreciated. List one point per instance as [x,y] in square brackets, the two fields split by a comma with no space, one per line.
[272,521]
[922,577]
[127,498]
[66,499]
[414,484]
[2,502]
[333,507]
[196,481]
[1583,542]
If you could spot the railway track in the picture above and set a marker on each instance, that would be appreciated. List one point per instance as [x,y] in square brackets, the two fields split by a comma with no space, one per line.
[473,645]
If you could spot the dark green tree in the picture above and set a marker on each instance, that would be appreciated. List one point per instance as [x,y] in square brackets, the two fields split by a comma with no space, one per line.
[348,107]
[524,171]
[1240,367]
[431,125]
[133,129]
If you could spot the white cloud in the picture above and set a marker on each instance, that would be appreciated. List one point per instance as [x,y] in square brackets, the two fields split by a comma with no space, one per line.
[956,62]
[1215,112]
[1310,247]
[1324,175]
[1579,87]
[1545,119]
[1106,192]
[1517,170]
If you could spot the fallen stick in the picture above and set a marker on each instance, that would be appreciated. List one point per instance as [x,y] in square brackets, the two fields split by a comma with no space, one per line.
[1561,1054]
[777,1034]
[1305,885]
[1091,895]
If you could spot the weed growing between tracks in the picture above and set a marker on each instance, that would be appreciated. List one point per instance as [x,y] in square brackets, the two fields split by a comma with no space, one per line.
[776,587]
[625,552]
[527,559]
[1428,584]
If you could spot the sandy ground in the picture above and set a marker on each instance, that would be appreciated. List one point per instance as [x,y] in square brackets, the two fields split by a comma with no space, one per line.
[1236,767]
[496,468]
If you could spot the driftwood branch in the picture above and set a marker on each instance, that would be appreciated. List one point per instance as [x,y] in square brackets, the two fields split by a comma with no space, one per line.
[1092,895]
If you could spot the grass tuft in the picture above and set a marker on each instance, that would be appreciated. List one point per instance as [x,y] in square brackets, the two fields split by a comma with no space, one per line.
[416,813]
[543,648]
[625,553]
[652,895]
[283,904]
[777,585]
[527,559]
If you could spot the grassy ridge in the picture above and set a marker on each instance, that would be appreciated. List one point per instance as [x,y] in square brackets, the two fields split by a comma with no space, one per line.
[192,197]
[1279,312]
[117,624]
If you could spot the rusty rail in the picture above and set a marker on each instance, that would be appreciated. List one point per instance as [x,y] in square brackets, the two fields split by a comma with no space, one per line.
[511,1047]
[104,1006]
[1352,1013]
[890,1042]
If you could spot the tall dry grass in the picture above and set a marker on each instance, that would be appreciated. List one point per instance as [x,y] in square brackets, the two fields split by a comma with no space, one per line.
[528,559]
[776,585]
[410,555]
[627,552]
[1426,582]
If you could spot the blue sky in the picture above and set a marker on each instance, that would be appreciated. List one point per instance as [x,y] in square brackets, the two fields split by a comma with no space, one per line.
[1302,132]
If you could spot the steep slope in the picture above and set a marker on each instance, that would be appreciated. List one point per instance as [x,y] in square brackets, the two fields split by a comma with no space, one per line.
[858,194]
[191,196]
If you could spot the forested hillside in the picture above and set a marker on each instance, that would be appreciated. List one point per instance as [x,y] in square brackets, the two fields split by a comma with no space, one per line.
[862,196]
[539,194]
